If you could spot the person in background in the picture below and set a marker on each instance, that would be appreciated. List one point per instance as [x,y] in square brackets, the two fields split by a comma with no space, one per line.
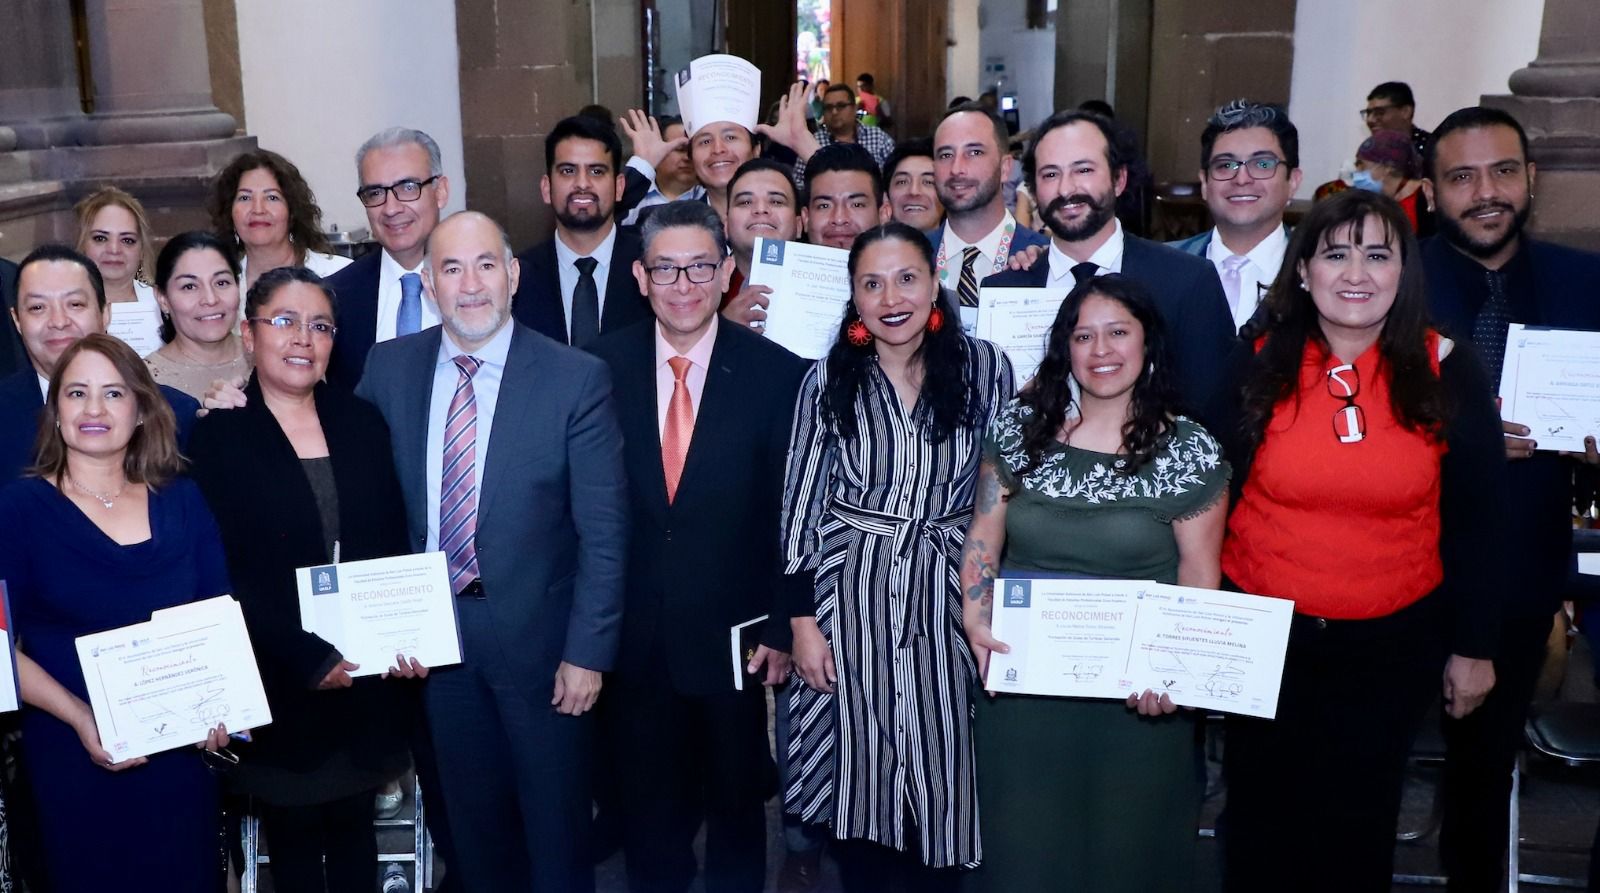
[883,460]
[1371,480]
[261,202]
[197,284]
[874,108]
[114,232]
[12,356]
[813,96]
[1391,106]
[300,476]
[1249,170]
[909,177]
[840,125]
[1386,163]
[669,171]
[762,204]
[102,532]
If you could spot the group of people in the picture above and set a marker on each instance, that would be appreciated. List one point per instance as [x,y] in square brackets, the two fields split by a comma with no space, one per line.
[620,469]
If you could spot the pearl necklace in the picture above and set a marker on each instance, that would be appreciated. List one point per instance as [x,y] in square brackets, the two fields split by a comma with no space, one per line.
[106,500]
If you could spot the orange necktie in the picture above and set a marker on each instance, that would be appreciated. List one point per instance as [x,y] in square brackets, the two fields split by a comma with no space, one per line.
[680,425]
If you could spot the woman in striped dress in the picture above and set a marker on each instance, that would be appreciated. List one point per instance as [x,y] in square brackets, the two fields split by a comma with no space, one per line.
[879,490]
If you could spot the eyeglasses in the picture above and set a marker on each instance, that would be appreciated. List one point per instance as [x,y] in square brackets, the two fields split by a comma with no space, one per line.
[1349,423]
[1260,167]
[1376,110]
[837,106]
[405,190]
[699,273]
[286,323]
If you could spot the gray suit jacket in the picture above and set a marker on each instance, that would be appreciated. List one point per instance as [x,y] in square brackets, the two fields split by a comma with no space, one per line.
[552,534]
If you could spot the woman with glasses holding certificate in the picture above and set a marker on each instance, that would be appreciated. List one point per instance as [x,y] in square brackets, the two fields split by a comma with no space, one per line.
[300,476]
[1370,462]
[1092,472]
[99,535]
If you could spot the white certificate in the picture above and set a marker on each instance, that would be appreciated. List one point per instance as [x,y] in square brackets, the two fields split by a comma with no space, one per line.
[1551,383]
[375,609]
[1111,638]
[138,325]
[1018,321]
[716,88]
[810,288]
[167,682]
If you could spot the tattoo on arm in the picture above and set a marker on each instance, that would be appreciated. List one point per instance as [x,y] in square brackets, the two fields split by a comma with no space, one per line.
[988,489]
[979,559]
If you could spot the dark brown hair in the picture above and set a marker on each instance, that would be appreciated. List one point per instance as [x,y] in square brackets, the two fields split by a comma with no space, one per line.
[305,218]
[152,455]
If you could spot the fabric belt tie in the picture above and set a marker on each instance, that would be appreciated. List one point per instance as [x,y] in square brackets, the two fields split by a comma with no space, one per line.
[924,542]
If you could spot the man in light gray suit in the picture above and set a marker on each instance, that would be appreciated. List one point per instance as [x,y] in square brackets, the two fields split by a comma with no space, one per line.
[510,458]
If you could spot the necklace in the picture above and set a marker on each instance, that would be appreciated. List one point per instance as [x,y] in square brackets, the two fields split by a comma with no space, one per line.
[107,500]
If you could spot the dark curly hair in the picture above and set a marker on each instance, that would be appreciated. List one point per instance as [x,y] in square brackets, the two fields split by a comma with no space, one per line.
[1155,397]
[305,218]
[949,396]
[1416,397]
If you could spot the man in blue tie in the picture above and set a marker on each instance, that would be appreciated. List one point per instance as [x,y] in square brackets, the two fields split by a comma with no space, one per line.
[403,188]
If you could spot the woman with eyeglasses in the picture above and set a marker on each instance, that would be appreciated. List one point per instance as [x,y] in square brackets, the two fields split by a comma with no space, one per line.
[197,284]
[261,202]
[101,533]
[1369,462]
[299,476]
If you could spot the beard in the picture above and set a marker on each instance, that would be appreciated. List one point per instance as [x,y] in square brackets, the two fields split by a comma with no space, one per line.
[982,195]
[1456,234]
[1101,210]
[583,223]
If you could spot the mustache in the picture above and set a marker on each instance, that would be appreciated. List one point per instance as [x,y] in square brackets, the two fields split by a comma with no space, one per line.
[1060,202]
[1488,206]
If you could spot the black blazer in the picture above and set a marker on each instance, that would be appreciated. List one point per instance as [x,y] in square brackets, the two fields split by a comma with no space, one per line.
[537,303]
[356,289]
[1192,304]
[270,525]
[710,559]
[11,354]
[20,402]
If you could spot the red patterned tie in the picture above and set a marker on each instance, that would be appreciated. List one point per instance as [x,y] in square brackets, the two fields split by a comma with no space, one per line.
[458,497]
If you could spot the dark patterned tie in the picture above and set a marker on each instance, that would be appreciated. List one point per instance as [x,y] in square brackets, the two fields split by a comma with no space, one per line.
[1083,272]
[1494,320]
[458,490]
[967,286]
[585,303]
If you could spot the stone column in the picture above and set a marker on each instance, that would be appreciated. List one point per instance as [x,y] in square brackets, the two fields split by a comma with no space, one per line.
[1557,99]
[39,99]
[151,78]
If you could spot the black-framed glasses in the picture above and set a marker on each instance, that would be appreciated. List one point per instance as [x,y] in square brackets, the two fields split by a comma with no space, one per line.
[699,273]
[1374,111]
[1260,167]
[405,190]
[1349,422]
[287,323]
[837,106]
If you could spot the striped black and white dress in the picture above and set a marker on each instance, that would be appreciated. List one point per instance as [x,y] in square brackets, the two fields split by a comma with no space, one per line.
[880,519]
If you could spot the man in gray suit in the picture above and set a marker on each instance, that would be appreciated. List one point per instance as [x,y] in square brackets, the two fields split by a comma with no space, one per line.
[510,458]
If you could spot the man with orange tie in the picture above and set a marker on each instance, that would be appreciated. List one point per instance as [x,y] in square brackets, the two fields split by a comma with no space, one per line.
[706,408]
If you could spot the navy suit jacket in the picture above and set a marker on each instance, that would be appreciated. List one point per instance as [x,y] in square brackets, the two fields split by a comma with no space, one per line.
[1189,296]
[710,559]
[538,305]
[1539,505]
[356,289]
[12,356]
[20,402]
[552,532]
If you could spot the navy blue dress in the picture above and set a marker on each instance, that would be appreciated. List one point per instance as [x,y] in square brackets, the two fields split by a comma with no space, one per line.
[152,827]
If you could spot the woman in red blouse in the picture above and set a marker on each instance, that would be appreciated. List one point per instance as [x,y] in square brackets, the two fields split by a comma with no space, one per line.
[1370,460]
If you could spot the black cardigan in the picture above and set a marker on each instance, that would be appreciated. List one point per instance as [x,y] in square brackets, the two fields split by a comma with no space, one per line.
[264,506]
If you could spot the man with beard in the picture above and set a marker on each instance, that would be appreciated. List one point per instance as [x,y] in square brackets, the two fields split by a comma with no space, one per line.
[844,195]
[1484,274]
[970,161]
[1249,169]
[576,284]
[762,203]
[1076,170]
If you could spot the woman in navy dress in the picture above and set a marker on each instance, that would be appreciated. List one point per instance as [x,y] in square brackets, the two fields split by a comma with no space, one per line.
[99,535]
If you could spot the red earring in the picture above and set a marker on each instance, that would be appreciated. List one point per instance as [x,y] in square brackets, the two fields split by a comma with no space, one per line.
[936,320]
[857,334]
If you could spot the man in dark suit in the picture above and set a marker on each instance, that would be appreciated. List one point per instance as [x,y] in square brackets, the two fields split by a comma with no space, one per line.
[1076,170]
[1483,274]
[576,284]
[11,355]
[403,188]
[60,299]
[510,461]
[706,408]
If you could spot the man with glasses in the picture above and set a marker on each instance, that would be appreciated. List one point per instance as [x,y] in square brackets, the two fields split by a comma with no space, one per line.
[839,125]
[1390,106]
[1249,170]
[403,188]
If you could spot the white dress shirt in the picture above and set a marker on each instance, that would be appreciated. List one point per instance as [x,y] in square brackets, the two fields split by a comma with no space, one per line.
[955,247]
[486,389]
[323,265]
[1107,257]
[389,273]
[699,357]
[1256,275]
[565,257]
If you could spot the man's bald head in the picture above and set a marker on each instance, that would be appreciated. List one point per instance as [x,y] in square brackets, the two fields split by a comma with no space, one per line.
[475,222]
[471,275]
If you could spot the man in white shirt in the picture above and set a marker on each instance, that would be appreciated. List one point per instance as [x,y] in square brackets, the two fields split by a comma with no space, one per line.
[1249,170]
[403,187]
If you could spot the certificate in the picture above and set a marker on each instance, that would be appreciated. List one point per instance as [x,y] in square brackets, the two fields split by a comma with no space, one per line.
[373,610]
[716,88]
[1551,383]
[137,325]
[1018,321]
[810,288]
[10,694]
[167,682]
[1111,638]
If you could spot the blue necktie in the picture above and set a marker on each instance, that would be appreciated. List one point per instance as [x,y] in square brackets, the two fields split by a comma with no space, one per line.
[409,320]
